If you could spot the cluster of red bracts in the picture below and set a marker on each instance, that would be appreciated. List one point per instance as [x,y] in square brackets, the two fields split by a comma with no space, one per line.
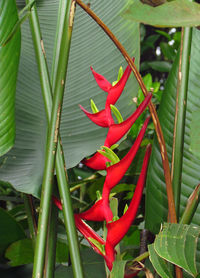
[101,211]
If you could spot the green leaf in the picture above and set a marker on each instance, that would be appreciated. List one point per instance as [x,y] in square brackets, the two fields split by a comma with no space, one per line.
[9,57]
[118,269]
[158,263]
[123,187]
[195,133]
[80,137]
[168,51]
[21,252]
[156,198]
[93,265]
[162,66]
[175,13]
[10,231]
[177,244]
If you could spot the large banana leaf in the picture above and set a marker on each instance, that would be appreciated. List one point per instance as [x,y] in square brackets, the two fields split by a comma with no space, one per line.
[156,199]
[23,166]
[174,13]
[9,62]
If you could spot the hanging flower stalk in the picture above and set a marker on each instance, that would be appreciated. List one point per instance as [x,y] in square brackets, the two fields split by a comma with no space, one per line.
[101,210]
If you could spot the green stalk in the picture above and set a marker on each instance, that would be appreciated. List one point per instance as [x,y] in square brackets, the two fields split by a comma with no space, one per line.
[28,204]
[191,207]
[47,185]
[181,101]
[141,257]
[62,47]
[50,258]
[60,165]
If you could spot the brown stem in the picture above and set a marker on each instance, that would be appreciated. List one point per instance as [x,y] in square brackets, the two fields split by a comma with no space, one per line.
[163,150]
[33,212]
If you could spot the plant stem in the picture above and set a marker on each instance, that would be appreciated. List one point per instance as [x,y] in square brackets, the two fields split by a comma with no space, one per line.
[50,257]
[180,115]
[61,49]
[163,150]
[60,164]
[141,257]
[191,207]
[28,204]
[47,184]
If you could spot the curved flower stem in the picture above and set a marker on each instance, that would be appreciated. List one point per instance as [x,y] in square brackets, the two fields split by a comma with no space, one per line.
[163,150]
[53,138]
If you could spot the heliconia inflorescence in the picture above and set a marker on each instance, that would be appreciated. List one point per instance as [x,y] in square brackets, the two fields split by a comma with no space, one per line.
[101,210]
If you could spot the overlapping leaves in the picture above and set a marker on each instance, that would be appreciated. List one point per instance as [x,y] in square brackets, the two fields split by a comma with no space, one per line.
[173,240]
[156,205]
[173,13]
[23,166]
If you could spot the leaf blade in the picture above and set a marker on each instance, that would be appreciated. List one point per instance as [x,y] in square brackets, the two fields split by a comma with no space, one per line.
[171,14]
[9,57]
[24,164]
[176,239]
[158,263]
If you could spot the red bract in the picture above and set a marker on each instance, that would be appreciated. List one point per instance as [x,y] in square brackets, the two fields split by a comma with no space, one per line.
[88,233]
[100,210]
[103,118]
[115,133]
[114,92]
[96,162]
[116,230]
[117,171]
[97,212]
[57,202]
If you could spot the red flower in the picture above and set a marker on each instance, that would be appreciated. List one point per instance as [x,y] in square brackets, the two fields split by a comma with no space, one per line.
[103,118]
[115,133]
[96,162]
[101,210]
[88,233]
[97,212]
[116,230]
[114,92]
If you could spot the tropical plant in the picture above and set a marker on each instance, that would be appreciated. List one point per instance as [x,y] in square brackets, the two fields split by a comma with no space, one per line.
[48,144]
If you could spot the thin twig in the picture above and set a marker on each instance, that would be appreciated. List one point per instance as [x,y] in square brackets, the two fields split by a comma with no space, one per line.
[163,150]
